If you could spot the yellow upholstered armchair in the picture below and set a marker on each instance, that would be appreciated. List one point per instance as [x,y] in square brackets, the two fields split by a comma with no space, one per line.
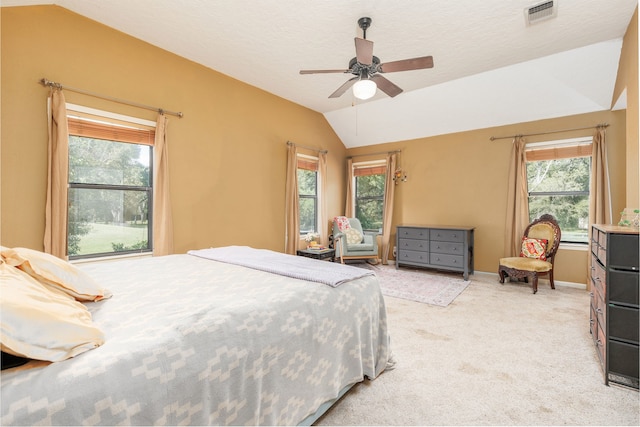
[539,246]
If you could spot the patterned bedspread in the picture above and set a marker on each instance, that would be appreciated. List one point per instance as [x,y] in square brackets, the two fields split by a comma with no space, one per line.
[195,341]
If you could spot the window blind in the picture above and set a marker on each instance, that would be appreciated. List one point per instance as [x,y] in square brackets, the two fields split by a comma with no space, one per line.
[111,132]
[369,170]
[309,165]
[558,153]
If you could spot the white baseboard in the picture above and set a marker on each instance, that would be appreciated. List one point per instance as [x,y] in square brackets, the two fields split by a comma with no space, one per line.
[494,276]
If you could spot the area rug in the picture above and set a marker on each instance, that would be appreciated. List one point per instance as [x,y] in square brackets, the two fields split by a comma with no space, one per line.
[419,285]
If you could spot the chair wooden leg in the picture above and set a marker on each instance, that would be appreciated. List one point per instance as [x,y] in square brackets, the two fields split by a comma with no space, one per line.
[553,286]
[341,251]
[528,276]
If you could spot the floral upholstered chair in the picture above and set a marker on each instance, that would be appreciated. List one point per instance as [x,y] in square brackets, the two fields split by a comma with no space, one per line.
[351,242]
[539,246]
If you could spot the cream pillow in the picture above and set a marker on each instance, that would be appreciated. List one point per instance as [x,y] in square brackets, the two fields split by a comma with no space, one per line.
[41,324]
[56,273]
[353,236]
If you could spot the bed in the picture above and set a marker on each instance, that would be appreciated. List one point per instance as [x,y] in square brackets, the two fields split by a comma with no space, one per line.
[194,341]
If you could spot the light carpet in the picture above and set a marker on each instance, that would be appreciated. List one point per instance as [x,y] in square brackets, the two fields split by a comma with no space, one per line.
[420,285]
[499,355]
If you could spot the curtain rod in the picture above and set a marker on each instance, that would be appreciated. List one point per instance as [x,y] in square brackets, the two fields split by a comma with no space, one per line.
[601,125]
[375,154]
[49,83]
[308,148]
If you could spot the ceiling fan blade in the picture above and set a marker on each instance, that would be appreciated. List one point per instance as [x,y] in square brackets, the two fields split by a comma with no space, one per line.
[342,89]
[407,64]
[364,51]
[322,71]
[386,86]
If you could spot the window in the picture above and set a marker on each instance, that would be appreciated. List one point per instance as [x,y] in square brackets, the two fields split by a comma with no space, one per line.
[110,187]
[369,194]
[308,193]
[558,180]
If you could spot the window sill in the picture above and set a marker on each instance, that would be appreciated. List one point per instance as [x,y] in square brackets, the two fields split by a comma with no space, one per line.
[111,258]
[574,247]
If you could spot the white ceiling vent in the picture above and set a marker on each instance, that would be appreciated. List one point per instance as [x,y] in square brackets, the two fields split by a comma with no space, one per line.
[541,12]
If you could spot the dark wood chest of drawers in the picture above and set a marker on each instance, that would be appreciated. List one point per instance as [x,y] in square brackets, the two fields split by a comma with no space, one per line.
[615,285]
[441,247]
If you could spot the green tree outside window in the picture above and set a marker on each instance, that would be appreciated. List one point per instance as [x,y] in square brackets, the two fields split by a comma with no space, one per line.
[308,200]
[370,201]
[109,197]
[561,187]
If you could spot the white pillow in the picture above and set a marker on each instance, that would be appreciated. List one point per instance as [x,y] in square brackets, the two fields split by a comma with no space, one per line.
[41,324]
[353,236]
[56,273]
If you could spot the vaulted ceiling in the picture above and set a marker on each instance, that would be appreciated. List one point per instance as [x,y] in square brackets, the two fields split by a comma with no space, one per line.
[490,67]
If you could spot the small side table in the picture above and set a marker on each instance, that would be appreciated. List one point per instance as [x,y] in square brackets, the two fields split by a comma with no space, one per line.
[315,254]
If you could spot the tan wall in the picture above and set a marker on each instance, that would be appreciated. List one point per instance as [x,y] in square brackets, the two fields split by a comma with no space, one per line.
[461,179]
[227,155]
[628,79]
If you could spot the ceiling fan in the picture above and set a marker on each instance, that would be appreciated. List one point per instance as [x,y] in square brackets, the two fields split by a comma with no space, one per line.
[367,68]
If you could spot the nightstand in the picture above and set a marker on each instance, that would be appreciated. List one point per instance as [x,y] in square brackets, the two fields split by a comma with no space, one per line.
[318,254]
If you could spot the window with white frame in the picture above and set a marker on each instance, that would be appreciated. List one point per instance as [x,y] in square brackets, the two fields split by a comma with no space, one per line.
[110,183]
[558,183]
[308,193]
[369,183]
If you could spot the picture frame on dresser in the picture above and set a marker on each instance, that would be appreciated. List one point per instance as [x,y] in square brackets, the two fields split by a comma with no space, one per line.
[439,247]
[614,307]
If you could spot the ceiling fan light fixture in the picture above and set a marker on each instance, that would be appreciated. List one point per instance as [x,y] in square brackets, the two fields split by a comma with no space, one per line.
[365,66]
[364,89]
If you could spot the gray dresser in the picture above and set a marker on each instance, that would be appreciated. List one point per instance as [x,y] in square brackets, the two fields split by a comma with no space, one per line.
[435,246]
[615,286]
